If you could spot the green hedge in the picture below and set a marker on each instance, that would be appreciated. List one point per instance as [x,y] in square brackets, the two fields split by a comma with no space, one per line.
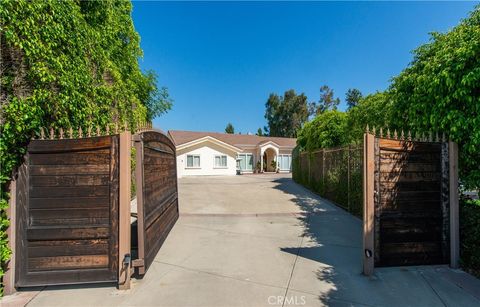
[470,235]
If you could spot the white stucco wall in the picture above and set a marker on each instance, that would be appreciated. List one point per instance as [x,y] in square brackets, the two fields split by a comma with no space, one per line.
[207,152]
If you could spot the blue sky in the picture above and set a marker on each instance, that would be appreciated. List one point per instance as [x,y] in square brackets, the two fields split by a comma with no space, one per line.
[220,61]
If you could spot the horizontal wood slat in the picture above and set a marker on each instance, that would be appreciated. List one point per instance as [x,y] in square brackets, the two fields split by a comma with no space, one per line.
[83,217]
[71,158]
[88,169]
[67,192]
[90,232]
[69,202]
[389,194]
[417,147]
[393,249]
[409,176]
[410,205]
[411,185]
[68,248]
[409,167]
[70,145]
[66,277]
[410,157]
[67,262]
[69,181]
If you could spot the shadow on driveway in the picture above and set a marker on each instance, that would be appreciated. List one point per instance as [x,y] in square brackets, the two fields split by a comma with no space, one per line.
[329,263]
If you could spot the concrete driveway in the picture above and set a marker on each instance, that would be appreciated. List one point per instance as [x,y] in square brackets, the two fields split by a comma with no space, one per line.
[262,240]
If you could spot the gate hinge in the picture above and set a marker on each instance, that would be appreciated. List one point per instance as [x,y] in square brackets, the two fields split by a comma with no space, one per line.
[137,138]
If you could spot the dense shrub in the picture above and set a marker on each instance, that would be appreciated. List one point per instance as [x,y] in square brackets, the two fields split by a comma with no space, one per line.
[328,129]
[470,235]
[373,110]
[439,91]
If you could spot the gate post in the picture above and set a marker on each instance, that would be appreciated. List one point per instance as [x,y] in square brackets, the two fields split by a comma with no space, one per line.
[454,210]
[9,277]
[368,203]
[139,192]
[124,250]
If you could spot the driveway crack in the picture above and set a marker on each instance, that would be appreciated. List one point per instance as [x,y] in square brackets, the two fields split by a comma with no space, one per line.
[218,275]
[433,289]
[294,264]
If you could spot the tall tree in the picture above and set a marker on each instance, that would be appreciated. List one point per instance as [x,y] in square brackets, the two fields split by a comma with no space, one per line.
[327,101]
[229,129]
[353,97]
[259,132]
[286,114]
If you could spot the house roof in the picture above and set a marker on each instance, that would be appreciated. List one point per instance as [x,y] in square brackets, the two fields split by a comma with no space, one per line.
[205,139]
[238,140]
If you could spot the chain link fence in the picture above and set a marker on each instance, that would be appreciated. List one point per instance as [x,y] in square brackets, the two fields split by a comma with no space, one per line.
[335,174]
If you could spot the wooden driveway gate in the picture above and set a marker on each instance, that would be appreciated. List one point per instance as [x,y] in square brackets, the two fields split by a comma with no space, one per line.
[410,202]
[157,197]
[70,208]
[67,206]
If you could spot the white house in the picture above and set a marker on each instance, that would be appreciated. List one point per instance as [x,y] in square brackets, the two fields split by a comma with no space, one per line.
[212,153]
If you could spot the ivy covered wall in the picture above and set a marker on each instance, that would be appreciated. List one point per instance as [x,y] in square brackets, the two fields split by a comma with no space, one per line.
[67,64]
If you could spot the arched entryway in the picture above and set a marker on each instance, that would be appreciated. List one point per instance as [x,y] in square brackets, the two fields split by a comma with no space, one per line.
[269,160]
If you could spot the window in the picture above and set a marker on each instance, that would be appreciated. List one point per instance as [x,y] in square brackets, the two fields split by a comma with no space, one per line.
[193,161]
[245,162]
[285,162]
[220,162]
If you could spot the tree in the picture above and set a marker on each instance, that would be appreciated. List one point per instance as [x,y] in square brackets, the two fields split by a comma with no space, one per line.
[157,101]
[229,129]
[327,129]
[327,101]
[259,132]
[285,115]
[439,91]
[353,97]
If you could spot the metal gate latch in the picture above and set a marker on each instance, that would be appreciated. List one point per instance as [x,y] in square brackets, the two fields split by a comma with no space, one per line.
[127,259]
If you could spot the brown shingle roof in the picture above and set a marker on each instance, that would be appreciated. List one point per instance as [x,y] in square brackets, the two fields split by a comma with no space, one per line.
[238,140]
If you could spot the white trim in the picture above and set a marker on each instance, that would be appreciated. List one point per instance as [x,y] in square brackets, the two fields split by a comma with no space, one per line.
[269,143]
[211,139]
[265,147]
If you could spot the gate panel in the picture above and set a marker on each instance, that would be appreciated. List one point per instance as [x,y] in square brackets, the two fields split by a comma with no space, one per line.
[409,212]
[157,197]
[67,200]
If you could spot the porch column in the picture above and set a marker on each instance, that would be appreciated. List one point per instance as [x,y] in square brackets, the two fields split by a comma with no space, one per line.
[261,160]
[277,153]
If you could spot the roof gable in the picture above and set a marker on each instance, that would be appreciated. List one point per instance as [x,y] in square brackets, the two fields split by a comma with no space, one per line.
[208,139]
[264,143]
[237,140]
